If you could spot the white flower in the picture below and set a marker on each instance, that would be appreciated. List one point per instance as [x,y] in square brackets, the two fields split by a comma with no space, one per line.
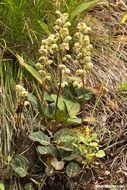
[61,66]
[88,58]
[79,55]
[54,46]
[89,65]
[48,78]
[63,84]
[19,88]
[57,27]
[64,46]
[65,31]
[49,62]
[67,71]
[77,45]
[58,12]
[68,56]
[64,59]
[67,24]
[75,83]
[43,42]
[86,39]
[68,38]
[39,66]
[42,58]
[24,93]
[42,73]
[80,72]
[65,15]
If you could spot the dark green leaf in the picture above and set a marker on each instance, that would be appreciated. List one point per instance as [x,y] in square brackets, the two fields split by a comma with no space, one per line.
[50,110]
[64,136]
[46,150]
[60,116]
[49,171]
[72,169]
[69,156]
[20,165]
[67,146]
[40,137]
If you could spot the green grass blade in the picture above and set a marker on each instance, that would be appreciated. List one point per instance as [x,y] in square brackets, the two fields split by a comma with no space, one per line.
[44,27]
[30,69]
[83,6]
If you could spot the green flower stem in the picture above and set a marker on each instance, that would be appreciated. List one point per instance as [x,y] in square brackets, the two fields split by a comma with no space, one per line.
[58,93]
[83,113]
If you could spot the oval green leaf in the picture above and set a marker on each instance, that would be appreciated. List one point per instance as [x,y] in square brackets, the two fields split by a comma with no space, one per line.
[40,137]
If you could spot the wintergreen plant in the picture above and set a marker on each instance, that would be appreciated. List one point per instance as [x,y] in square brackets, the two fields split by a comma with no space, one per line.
[56,52]
[59,147]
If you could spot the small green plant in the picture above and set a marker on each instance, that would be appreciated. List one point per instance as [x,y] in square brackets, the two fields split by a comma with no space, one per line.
[67,150]
[122,87]
[58,146]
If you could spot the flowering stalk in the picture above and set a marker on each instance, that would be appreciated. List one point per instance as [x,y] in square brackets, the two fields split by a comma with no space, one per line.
[82,50]
[58,94]
[63,38]
[54,51]
[23,94]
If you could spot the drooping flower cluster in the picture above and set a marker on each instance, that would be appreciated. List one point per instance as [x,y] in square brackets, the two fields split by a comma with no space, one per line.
[47,49]
[63,40]
[82,49]
[62,31]
[21,91]
[54,49]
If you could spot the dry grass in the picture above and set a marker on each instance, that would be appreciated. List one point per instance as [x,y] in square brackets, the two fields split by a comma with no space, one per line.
[109,38]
